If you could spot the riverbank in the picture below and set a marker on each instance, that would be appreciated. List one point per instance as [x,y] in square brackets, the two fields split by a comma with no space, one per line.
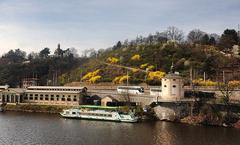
[35,108]
[231,121]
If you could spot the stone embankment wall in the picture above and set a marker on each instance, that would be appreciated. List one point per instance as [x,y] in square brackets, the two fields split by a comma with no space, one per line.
[172,111]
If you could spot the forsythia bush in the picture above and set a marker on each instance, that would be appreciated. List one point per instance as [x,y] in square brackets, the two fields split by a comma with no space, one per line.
[234,83]
[113,60]
[120,79]
[150,67]
[92,77]
[157,75]
[201,82]
[143,66]
[134,70]
[136,57]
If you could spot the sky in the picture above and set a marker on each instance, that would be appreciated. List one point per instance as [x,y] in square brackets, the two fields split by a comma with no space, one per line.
[32,25]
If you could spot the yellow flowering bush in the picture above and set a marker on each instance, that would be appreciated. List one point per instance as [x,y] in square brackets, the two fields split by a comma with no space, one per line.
[112,60]
[156,75]
[123,78]
[92,77]
[134,70]
[120,79]
[136,57]
[234,83]
[150,67]
[201,82]
[143,66]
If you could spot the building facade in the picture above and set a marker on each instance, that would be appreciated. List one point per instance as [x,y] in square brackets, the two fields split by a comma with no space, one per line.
[172,87]
[44,95]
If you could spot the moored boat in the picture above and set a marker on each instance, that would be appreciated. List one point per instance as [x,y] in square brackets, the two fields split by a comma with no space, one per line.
[99,113]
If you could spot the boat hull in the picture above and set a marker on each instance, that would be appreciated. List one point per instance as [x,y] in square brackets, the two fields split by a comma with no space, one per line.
[114,116]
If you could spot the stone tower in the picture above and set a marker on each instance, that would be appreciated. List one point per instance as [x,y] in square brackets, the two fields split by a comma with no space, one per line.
[172,86]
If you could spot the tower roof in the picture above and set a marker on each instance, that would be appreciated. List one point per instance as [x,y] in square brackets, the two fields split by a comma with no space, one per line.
[173,76]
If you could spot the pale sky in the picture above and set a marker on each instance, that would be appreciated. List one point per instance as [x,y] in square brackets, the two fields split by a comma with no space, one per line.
[32,25]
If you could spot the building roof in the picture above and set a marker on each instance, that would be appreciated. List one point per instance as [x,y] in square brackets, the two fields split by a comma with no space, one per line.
[52,91]
[55,87]
[110,98]
[4,87]
[172,76]
[14,90]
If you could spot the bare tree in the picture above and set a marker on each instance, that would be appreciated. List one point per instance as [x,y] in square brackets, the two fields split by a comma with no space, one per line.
[74,51]
[173,33]
[89,52]
[195,36]
[226,90]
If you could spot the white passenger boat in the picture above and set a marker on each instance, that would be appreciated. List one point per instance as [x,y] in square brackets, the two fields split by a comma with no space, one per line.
[99,113]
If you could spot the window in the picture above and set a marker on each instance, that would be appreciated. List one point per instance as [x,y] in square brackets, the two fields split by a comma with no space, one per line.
[30,98]
[174,86]
[165,86]
[69,99]
[174,79]
[41,98]
[52,98]
[46,98]
[63,99]
[36,98]
[36,95]
[31,95]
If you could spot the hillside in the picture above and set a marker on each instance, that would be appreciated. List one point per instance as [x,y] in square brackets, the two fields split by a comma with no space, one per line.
[155,57]
[144,59]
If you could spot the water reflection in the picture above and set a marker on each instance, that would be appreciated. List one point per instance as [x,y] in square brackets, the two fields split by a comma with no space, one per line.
[29,128]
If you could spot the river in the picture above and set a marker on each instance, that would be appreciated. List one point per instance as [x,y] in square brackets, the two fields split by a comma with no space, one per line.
[49,129]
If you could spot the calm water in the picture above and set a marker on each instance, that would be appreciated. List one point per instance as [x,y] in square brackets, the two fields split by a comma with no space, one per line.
[28,128]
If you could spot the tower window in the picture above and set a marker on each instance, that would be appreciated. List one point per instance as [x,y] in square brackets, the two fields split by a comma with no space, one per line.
[174,86]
